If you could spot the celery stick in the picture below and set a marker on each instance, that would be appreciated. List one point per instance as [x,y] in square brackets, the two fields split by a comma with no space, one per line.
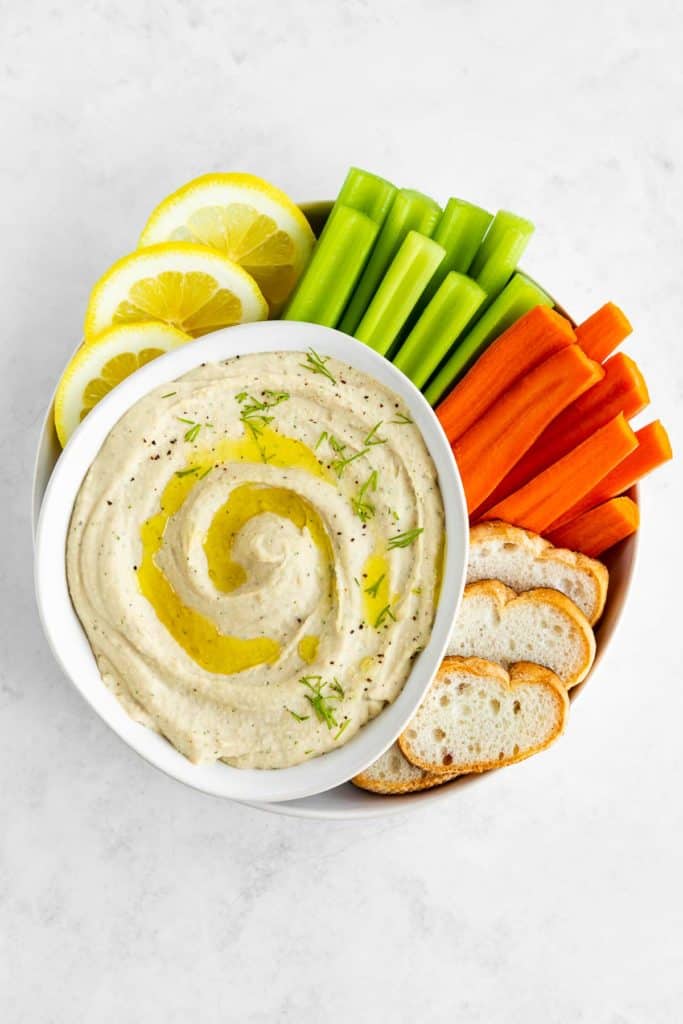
[502,222]
[498,255]
[460,231]
[440,325]
[401,287]
[516,299]
[410,211]
[367,193]
[336,263]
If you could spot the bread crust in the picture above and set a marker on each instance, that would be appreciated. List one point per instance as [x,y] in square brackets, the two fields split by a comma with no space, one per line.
[503,596]
[542,550]
[521,674]
[427,780]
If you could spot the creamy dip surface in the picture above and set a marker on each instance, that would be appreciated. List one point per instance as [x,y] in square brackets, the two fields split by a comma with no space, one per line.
[255,556]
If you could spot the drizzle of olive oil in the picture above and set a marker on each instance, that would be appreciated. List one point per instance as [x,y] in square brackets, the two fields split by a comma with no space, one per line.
[308,648]
[246,502]
[376,565]
[214,651]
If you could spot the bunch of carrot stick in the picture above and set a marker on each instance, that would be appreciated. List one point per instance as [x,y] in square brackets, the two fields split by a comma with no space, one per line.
[540,430]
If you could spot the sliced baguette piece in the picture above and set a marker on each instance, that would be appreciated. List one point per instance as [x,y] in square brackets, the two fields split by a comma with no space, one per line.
[524,560]
[394,773]
[476,716]
[541,626]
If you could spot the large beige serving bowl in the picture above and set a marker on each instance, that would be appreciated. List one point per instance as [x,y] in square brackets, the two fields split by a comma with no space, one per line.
[348,801]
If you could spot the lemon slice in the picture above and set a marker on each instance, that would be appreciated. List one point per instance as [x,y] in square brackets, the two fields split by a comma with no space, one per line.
[103,363]
[245,218]
[187,286]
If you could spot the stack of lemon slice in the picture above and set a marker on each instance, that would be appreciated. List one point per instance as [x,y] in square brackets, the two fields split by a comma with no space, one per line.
[225,249]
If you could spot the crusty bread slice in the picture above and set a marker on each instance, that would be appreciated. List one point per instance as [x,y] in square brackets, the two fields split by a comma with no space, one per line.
[523,560]
[542,626]
[476,716]
[394,773]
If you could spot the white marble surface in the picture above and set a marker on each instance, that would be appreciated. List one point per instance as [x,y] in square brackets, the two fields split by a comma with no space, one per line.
[552,892]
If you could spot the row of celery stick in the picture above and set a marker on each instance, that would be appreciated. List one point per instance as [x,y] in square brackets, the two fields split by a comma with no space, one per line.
[427,288]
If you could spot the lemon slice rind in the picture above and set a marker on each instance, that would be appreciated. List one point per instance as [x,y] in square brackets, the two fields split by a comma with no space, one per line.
[185,258]
[172,220]
[89,362]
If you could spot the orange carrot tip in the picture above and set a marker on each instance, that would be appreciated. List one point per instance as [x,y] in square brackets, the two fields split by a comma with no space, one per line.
[653,450]
[546,498]
[529,341]
[600,334]
[598,529]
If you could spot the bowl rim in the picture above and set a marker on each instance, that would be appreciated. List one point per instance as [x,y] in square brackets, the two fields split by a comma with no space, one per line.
[67,638]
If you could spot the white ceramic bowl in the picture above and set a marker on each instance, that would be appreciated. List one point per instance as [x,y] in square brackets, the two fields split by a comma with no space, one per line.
[64,631]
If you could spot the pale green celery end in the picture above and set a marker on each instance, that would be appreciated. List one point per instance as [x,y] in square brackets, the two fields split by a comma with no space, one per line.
[502,263]
[410,211]
[439,327]
[460,231]
[401,287]
[334,268]
[502,222]
[516,299]
[367,193]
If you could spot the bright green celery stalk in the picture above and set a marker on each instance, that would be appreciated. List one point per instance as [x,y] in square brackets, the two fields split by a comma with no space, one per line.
[336,263]
[460,231]
[516,299]
[367,193]
[440,325]
[401,287]
[410,211]
[497,257]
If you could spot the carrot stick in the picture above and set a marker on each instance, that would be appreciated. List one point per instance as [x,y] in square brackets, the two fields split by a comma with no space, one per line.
[548,496]
[598,529]
[654,449]
[499,438]
[531,340]
[600,334]
[622,389]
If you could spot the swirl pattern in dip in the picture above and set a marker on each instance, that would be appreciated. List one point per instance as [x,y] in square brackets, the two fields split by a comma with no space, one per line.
[255,556]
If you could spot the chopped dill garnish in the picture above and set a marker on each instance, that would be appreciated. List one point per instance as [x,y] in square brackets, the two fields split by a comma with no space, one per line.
[404,540]
[206,472]
[337,687]
[340,464]
[363,508]
[335,444]
[320,440]
[344,725]
[316,364]
[373,589]
[169,394]
[321,702]
[384,614]
[194,428]
[373,437]
[401,418]
[299,718]
[187,472]
[254,412]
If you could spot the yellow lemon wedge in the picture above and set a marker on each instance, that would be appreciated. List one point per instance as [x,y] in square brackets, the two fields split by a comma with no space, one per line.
[184,285]
[103,363]
[245,218]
